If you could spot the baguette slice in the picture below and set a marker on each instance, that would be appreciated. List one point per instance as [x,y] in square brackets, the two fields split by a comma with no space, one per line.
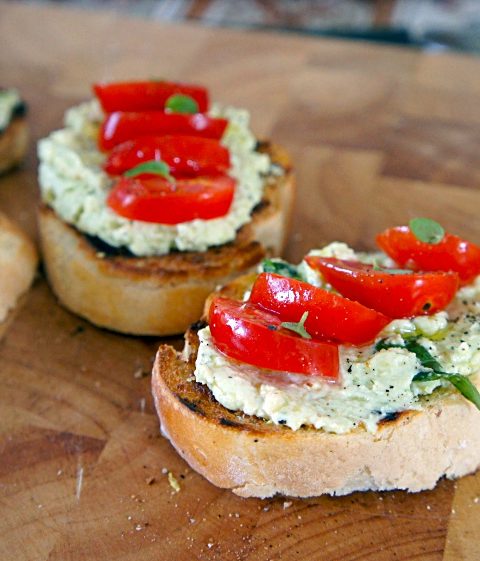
[160,295]
[254,458]
[18,262]
[13,143]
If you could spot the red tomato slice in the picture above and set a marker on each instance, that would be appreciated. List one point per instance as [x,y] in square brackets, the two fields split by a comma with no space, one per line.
[451,254]
[251,335]
[146,96]
[330,316]
[160,201]
[186,156]
[121,126]
[395,295]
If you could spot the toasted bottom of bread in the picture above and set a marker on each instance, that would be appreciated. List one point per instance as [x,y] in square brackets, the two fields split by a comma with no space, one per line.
[13,144]
[18,262]
[159,295]
[255,458]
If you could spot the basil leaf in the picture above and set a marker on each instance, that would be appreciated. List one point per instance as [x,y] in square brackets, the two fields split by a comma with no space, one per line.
[179,103]
[427,230]
[383,345]
[462,383]
[466,387]
[425,358]
[280,268]
[299,327]
[152,166]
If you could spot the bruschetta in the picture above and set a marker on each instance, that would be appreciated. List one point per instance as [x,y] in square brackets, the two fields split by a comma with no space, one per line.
[18,262]
[348,372]
[151,197]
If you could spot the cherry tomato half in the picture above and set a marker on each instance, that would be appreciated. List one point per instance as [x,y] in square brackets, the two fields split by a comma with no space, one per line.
[451,254]
[395,295]
[121,126]
[247,333]
[163,202]
[330,316]
[146,96]
[186,156]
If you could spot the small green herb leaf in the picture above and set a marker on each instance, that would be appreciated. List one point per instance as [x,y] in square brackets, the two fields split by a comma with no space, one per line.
[462,383]
[427,230]
[280,268]
[152,166]
[298,327]
[179,103]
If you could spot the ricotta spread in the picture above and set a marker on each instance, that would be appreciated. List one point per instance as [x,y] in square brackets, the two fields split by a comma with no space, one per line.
[74,184]
[373,384]
[9,99]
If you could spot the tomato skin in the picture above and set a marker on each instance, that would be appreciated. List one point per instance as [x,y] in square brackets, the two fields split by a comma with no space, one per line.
[154,199]
[395,295]
[245,332]
[186,156]
[123,125]
[451,254]
[330,316]
[146,96]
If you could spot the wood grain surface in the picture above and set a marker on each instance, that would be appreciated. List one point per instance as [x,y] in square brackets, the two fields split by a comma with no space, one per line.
[378,135]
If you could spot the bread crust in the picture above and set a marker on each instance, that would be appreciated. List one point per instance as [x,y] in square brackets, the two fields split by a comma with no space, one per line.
[159,295]
[18,262]
[254,458]
[13,143]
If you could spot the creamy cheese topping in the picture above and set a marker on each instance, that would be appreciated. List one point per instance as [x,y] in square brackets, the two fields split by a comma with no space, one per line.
[373,384]
[73,183]
[9,99]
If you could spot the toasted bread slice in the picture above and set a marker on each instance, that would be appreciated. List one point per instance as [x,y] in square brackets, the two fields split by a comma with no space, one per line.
[259,459]
[13,143]
[18,262]
[159,295]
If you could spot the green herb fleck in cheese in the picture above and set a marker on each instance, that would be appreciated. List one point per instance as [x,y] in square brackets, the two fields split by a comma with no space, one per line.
[372,383]
[75,186]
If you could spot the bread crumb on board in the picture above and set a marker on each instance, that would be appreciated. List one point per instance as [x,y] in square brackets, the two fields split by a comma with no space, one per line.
[174,484]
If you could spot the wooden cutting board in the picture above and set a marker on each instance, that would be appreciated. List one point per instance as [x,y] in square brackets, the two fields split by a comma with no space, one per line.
[378,135]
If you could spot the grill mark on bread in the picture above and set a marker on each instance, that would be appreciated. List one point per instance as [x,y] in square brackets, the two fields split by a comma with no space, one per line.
[394,418]
[194,407]
[228,423]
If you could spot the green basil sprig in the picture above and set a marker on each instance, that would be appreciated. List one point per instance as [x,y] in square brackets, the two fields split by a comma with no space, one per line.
[280,268]
[462,383]
[156,167]
[427,230]
[298,327]
[179,103]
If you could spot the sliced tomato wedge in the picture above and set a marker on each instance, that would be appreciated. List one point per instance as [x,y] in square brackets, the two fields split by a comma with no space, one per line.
[154,199]
[451,254]
[124,125]
[146,96]
[330,316]
[186,156]
[395,295]
[245,332]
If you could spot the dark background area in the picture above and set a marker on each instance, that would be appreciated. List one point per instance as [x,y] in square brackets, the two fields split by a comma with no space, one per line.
[428,24]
